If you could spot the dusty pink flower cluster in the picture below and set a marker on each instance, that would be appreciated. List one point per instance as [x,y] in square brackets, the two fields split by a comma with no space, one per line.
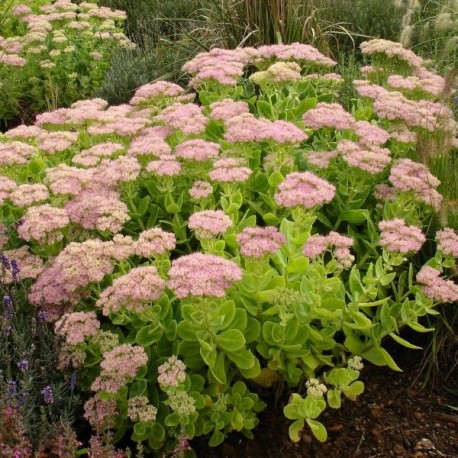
[409,176]
[197,150]
[226,109]
[101,414]
[371,159]
[30,265]
[27,194]
[172,373]
[99,210]
[118,367]
[392,50]
[154,242]
[209,223]
[155,92]
[295,51]
[396,236]
[447,241]
[370,134]
[320,159]
[92,156]
[139,409]
[43,224]
[76,326]
[56,142]
[188,118]
[15,153]
[133,291]
[7,186]
[340,245]
[328,115]
[256,242]
[200,190]
[229,170]
[201,274]
[304,189]
[166,166]
[436,287]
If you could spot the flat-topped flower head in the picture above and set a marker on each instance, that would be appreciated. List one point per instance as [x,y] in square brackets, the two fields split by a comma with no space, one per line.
[447,242]
[227,109]
[133,291]
[201,274]
[16,153]
[166,166]
[436,287]
[27,194]
[29,265]
[200,190]
[320,159]
[197,150]
[397,237]
[256,242]
[92,156]
[172,373]
[372,160]
[295,51]
[370,134]
[139,409]
[209,223]
[339,244]
[185,117]
[410,176]
[156,92]
[304,189]
[154,242]
[229,171]
[328,115]
[76,326]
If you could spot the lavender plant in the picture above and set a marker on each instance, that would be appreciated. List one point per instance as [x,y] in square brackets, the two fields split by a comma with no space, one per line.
[190,252]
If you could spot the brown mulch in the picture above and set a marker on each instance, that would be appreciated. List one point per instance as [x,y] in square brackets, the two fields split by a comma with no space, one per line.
[392,418]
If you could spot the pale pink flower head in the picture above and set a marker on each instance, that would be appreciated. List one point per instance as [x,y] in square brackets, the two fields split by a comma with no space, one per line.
[372,160]
[172,373]
[295,51]
[340,245]
[154,242]
[366,89]
[185,117]
[43,224]
[284,132]
[201,274]
[328,115]
[435,287]
[209,223]
[149,145]
[447,242]
[7,186]
[257,242]
[15,153]
[109,173]
[100,414]
[304,189]
[200,190]
[383,192]
[229,171]
[246,128]
[320,159]
[370,134]
[197,150]
[76,326]
[122,248]
[64,179]
[397,237]
[166,165]
[92,156]
[227,109]
[139,409]
[27,194]
[22,131]
[55,142]
[99,210]
[30,265]
[134,291]
[316,246]
[409,176]
[156,92]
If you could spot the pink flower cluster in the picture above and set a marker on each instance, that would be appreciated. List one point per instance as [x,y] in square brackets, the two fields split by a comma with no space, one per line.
[99,210]
[197,150]
[317,245]
[76,326]
[396,236]
[185,117]
[295,51]
[257,242]
[15,153]
[166,165]
[30,265]
[370,134]
[7,186]
[229,171]
[25,132]
[119,366]
[328,115]
[139,409]
[436,287]
[409,176]
[304,189]
[157,91]
[64,179]
[92,156]
[100,414]
[320,159]
[56,142]
[154,242]
[27,194]
[43,224]
[200,190]
[200,274]
[391,49]
[372,160]
[226,109]
[172,373]
[149,144]
[447,242]
[133,291]
[209,223]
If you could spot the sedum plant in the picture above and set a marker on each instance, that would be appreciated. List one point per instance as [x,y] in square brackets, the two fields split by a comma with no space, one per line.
[188,253]
[54,54]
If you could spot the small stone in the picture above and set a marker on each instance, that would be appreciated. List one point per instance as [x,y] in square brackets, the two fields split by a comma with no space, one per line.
[418,415]
[424,444]
[437,425]
[307,439]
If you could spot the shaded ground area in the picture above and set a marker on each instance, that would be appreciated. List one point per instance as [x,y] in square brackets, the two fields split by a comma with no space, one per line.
[392,418]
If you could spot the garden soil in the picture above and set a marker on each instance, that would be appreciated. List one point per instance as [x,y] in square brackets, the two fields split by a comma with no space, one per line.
[392,418]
